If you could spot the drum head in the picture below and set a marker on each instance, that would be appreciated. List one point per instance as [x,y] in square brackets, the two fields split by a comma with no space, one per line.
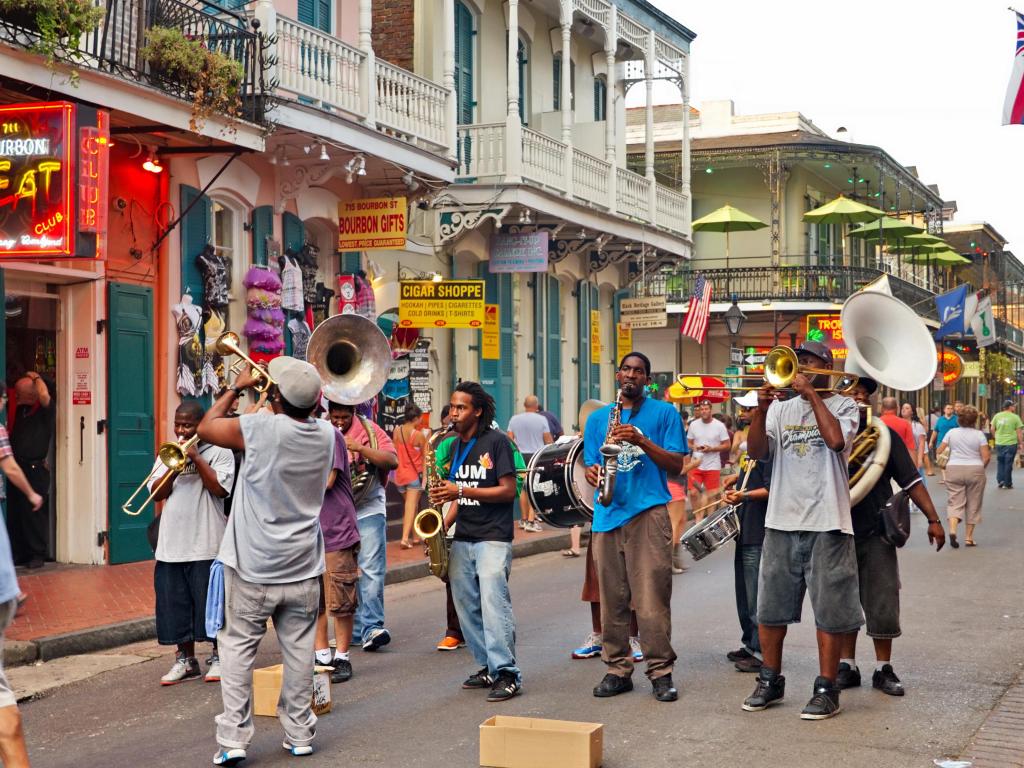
[549,487]
[576,478]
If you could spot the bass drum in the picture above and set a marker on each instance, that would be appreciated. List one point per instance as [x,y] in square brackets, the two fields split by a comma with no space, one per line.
[556,483]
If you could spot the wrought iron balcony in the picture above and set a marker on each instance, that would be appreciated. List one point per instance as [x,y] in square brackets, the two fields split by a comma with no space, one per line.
[801,283]
[115,46]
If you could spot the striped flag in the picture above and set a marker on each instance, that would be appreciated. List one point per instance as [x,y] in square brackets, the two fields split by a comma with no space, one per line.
[1013,107]
[696,323]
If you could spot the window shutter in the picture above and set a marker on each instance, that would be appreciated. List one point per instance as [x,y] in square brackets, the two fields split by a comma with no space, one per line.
[262,228]
[505,399]
[556,80]
[595,368]
[600,99]
[539,337]
[307,12]
[582,341]
[464,63]
[351,262]
[323,15]
[294,232]
[195,234]
[553,396]
[572,85]
[521,58]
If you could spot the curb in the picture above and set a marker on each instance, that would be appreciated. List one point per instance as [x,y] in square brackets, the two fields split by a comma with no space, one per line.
[21,652]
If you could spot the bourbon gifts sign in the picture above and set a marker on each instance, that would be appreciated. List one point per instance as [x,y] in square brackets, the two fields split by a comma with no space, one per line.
[54,159]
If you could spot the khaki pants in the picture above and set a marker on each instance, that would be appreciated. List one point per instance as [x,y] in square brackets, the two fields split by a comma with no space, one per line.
[634,565]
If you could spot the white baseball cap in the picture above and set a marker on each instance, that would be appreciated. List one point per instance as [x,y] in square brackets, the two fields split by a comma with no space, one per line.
[748,400]
[297,381]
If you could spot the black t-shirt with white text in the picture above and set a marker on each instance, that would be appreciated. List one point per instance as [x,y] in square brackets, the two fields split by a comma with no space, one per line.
[899,468]
[488,460]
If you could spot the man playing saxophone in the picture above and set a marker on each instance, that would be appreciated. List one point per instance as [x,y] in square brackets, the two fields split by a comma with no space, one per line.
[632,534]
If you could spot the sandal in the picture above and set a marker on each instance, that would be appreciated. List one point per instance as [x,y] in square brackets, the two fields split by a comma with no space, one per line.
[405,544]
[570,553]
[953,542]
[970,543]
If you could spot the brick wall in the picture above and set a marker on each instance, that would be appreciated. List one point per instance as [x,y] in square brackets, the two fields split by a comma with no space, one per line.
[393,31]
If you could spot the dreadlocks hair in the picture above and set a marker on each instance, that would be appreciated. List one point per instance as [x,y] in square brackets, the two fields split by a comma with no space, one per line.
[482,400]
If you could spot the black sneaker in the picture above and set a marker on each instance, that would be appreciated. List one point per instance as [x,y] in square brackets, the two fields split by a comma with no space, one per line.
[613,685]
[479,679]
[505,687]
[749,664]
[742,653]
[770,689]
[847,677]
[342,670]
[886,681]
[663,688]
[824,703]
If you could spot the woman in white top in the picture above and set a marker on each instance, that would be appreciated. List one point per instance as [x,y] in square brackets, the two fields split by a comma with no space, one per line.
[969,454]
[920,435]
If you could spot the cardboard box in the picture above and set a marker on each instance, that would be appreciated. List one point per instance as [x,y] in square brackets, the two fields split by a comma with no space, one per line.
[531,742]
[266,690]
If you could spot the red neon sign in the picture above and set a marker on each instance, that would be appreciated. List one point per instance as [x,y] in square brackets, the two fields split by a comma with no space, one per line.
[93,164]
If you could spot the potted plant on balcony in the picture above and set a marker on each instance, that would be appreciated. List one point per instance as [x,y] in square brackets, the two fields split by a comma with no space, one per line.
[213,79]
[57,24]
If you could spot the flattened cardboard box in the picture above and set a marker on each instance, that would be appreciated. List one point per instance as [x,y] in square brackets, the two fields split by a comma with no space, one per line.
[266,689]
[532,742]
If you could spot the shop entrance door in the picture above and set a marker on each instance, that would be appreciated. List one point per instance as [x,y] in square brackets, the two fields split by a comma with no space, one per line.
[130,416]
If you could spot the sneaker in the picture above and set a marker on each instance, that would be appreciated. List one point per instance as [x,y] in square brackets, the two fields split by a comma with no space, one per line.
[742,653]
[213,670]
[183,669]
[612,685]
[885,680]
[479,679]
[341,670]
[505,687]
[377,639]
[634,646]
[523,524]
[749,664]
[664,690]
[451,644]
[534,527]
[770,689]
[229,756]
[847,677]
[298,751]
[591,647]
[824,702]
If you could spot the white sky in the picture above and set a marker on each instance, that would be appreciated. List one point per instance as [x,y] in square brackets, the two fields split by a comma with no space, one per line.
[923,80]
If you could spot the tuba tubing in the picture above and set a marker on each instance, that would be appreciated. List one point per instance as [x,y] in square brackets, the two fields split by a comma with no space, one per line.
[869,472]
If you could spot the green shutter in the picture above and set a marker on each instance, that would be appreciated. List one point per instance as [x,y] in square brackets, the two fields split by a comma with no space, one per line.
[556,80]
[294,232]
[315,13]
[600,99]
[582,341]
[539,335]
[464,63]
[521,59]
[498,376]
[553,396]
[351,262]
[595,368]
[195,235]
[262,228]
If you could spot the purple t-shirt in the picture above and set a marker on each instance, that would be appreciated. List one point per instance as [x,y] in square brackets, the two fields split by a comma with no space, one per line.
[338,513]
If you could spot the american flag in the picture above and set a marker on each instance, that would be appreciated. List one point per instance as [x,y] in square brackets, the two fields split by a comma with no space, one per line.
[696,323]
[1013,107]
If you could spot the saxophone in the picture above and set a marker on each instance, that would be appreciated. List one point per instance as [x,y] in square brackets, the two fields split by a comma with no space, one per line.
[429,523]
[610,453]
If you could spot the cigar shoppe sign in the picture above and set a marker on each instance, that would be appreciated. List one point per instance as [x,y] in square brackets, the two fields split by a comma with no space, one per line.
[54,159]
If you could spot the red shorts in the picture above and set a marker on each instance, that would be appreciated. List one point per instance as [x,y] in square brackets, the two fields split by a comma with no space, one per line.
[708,479]
[677,491]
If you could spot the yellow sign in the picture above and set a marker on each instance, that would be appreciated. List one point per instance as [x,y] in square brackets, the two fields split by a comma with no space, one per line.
[490,339]
[623,341]
[595,337]
[972,369]
[372,223]
[444,304]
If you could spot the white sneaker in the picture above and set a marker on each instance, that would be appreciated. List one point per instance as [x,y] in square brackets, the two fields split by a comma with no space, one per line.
[183,669]
[213,671]
[534,526]
[634,646]
[226,756]
[298,751]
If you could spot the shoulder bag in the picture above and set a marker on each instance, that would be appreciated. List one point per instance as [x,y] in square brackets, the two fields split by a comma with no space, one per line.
[895,522]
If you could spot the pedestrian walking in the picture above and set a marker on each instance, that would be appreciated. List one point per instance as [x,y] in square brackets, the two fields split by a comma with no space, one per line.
[943,424]
[1009,436]
[969,454]
[531,432]
[707,438]
[409,442]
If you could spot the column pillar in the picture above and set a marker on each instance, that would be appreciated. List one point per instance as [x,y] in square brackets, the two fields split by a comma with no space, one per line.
[649,61]
[368,73]
[265,13]
[448,78]
[513,124]
[565,97]
[611,41]
[684,181]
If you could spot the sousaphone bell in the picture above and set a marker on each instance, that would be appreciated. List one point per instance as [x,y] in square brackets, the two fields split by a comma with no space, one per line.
[352,356]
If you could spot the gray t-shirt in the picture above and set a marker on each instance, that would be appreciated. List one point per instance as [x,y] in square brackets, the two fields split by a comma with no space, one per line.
[273,535]
[528,428]
[192,522]
[810,481]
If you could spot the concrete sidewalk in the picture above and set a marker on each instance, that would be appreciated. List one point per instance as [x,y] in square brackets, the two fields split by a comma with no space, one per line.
[74,609]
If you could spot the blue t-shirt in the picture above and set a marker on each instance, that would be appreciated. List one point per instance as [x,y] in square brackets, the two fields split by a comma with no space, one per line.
[639,484]
[942,426]
[8,580]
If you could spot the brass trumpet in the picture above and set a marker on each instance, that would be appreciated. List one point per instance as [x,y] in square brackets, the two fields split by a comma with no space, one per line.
[228,344]
[174,456]
[780,368]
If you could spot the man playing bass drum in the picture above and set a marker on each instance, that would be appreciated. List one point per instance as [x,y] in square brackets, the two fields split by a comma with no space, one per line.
[632,536]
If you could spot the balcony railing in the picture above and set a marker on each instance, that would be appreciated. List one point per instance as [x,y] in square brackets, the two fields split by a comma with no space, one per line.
[116,45]
[546,162]
[832,284]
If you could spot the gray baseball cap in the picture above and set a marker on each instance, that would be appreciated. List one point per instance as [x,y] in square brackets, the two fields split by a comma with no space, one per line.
[297,381]
[816,348]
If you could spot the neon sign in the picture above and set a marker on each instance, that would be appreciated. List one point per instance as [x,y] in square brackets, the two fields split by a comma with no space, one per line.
[951,366]
[832,327]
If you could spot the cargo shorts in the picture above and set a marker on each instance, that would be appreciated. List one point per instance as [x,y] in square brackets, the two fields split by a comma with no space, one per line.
[879,576]
[340,592]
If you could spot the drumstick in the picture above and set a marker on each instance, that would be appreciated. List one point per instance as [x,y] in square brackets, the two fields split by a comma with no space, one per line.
[743,487]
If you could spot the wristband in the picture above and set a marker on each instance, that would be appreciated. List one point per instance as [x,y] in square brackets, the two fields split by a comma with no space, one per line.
[236,390]
[936,521]
[459,486]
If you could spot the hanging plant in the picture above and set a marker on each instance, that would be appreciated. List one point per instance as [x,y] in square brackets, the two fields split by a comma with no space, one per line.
[214,79]
[58,24]
[998,367]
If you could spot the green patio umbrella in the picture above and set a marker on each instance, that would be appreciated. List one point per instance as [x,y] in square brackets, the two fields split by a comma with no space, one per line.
[944,258]
[727,219]
[891,229]
[843,211]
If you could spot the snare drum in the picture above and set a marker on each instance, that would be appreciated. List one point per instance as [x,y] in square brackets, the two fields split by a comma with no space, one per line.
[557,485]
[712,532]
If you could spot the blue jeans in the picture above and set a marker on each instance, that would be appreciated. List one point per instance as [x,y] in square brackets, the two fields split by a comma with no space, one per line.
[372,567]
[746,564]
[478,572]
[1005,454]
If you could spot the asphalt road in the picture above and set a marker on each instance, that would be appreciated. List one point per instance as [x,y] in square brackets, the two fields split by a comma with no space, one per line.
[963,644]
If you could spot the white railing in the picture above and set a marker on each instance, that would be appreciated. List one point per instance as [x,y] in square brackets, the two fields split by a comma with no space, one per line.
[480,151]
[632,33]
[544,159]
[671,208]
[633,194]
[410,105]
[316,66]
[598,10]
[590,178]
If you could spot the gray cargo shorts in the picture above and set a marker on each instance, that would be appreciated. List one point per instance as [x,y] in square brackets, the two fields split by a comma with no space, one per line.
[879,577]
[821,562]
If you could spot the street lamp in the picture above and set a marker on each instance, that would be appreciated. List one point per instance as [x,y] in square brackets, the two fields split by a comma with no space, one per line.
[734,317]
